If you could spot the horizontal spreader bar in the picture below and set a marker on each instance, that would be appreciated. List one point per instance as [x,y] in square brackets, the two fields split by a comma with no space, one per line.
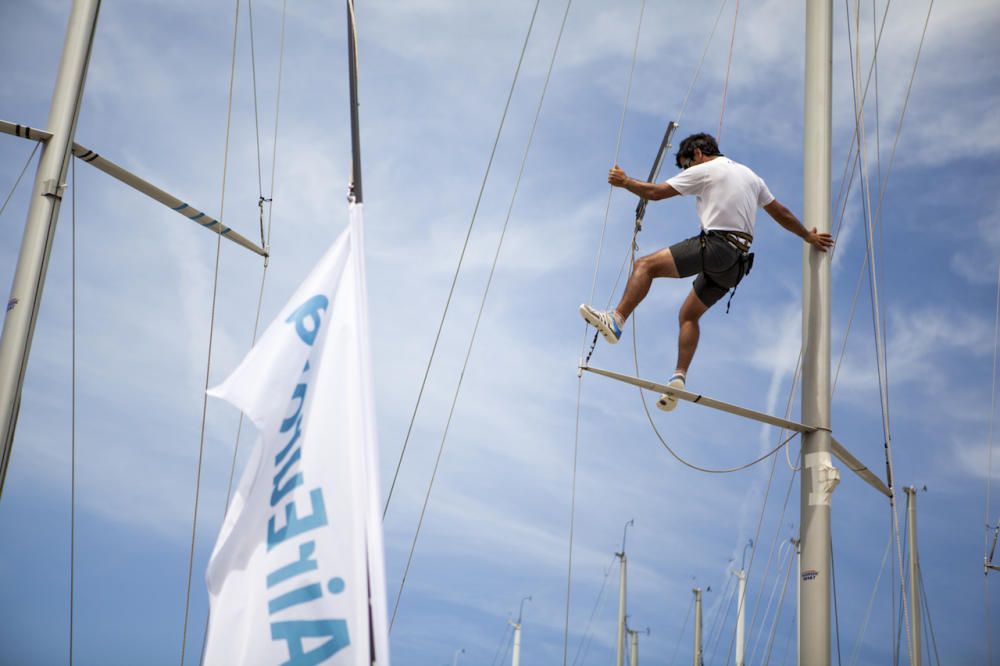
[855,466]
[135,182]
[703,400]
[836,447]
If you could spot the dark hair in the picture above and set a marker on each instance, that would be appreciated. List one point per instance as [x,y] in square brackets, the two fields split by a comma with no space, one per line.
[701,141]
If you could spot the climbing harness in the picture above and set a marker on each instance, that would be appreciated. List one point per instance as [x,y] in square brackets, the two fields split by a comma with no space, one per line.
[740,242]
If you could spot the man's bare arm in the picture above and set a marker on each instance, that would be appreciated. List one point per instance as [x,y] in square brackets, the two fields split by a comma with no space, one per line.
[787,219]
[644,190]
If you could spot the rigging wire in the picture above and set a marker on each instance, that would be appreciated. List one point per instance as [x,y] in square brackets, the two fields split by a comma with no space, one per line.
[767,609]
[836,607]
[927,617]
[869,222]
[902,114]
[72,412]
[593,289]
[265,237]
[873,284]
[461,259]
[593,612]
[717,624]
[687,617]
[482,306]
[510,645]
[774,545]
[211,336]
[871,602]
[590,639]
[878,128]
[777,612]
[729,66]
[882,189]
[256,115]
[265,240]
[507,631]
[17,182]
[701,62]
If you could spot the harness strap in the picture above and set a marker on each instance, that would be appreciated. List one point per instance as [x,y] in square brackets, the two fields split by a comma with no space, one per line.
[740,242]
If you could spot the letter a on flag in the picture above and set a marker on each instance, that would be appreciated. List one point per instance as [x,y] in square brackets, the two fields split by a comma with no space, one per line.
[298,575]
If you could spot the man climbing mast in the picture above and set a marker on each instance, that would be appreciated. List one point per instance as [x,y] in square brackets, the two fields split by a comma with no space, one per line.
[728,195]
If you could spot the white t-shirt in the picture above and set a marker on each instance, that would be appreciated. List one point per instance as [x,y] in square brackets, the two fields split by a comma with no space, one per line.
[728,194]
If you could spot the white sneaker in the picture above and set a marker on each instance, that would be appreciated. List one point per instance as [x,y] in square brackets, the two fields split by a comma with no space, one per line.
[603,321]
[668,402]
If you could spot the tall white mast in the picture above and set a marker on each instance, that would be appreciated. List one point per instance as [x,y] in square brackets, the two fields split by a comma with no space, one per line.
[819,477]
[516,659]
[741,576]
[352,69]
[620,640]
[622,585]
[914,566]
[697,626]
[43,213]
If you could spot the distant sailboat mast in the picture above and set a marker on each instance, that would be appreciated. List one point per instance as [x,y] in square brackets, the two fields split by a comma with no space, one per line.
[58,146]
[43,213]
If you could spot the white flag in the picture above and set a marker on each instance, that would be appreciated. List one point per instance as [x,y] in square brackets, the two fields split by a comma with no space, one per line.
[297,575]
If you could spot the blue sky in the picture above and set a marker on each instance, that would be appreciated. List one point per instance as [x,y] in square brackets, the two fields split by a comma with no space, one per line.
[434,78]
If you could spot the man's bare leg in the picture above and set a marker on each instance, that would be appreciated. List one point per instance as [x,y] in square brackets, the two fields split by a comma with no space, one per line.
[656,265]
[687,338]
[687,342]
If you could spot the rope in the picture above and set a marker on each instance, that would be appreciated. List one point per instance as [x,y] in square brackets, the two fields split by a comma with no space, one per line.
[72,411]
[211,336]
[686,463]
[729,65]
[482,306]
[461,259]
[17,182]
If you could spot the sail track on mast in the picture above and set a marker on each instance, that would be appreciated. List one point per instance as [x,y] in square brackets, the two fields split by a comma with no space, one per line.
[152,191]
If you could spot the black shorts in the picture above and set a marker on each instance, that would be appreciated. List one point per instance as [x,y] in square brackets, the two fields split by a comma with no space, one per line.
[717,266]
